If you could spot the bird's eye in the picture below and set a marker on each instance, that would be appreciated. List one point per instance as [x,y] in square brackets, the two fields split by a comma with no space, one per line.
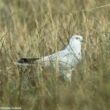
[77,37]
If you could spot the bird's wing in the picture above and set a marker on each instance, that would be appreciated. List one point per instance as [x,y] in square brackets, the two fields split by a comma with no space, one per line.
[62,58]
[48,60]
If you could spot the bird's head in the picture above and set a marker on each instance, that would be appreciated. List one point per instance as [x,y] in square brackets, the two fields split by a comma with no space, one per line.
[76,39]
[75,43]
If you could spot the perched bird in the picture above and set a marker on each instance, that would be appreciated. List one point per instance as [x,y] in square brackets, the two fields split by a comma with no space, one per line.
[65,60]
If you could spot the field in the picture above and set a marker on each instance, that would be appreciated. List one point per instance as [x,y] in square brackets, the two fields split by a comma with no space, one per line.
[35,28]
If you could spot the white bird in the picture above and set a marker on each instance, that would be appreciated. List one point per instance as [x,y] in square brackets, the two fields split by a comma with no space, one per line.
[65,60]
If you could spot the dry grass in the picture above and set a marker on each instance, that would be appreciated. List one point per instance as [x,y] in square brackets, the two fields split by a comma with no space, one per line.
[33,28]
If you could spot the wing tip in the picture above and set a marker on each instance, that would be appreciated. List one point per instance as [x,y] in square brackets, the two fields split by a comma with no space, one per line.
[26,61]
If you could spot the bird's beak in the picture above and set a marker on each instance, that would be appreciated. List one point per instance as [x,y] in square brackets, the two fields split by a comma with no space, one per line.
[82,41]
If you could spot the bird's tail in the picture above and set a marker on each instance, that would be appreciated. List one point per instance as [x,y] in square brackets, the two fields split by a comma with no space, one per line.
[22,61]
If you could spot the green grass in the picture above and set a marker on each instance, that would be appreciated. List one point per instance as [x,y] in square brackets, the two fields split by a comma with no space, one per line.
[33,28]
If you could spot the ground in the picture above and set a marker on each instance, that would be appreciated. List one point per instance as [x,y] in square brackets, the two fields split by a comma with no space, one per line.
[33,28]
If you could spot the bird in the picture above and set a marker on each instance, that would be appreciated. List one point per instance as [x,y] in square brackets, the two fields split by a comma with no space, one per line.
[65,60]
